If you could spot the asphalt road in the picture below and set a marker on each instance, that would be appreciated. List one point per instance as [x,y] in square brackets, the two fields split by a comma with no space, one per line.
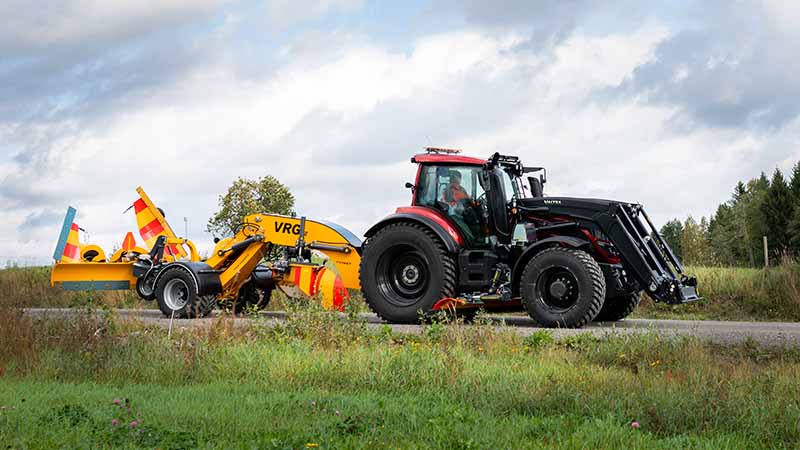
[771,334]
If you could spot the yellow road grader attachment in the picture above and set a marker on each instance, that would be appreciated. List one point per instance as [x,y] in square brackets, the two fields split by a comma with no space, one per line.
[302,258]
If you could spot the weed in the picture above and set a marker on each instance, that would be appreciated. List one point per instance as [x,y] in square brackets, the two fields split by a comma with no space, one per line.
[539,339]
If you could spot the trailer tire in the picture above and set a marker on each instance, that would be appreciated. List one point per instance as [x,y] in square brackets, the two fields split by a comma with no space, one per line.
[618,308]
[145,287]
[250,295]
[405,270]
[562,288]
[176,291]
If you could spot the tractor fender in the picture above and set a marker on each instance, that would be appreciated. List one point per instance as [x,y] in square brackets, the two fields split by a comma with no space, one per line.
[536,247]
[448,234]
[206,279]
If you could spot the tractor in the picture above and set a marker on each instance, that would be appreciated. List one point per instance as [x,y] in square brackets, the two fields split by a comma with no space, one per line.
[477,236]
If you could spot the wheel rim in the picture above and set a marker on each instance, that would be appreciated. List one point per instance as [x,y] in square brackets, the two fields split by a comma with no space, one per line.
[176,294]
[557,288]
[402,275]
[147,285]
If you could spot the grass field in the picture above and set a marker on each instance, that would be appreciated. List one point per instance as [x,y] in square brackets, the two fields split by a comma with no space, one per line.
[319,382]
[730,294]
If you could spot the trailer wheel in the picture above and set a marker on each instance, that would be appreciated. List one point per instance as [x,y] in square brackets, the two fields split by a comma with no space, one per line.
[405,270]
[250,295]
[175,291]
[617,308]
[145,287]
[563,287]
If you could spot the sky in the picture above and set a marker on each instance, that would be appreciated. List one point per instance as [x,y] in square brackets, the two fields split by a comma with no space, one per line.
[664,103]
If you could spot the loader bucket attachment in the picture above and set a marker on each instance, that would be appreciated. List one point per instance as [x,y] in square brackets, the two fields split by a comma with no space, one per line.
[647,254]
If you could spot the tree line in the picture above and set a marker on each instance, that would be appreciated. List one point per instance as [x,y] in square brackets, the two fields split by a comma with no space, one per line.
[734,235]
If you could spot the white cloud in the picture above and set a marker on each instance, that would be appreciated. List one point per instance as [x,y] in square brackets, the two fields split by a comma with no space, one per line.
[339,130]
[55,23]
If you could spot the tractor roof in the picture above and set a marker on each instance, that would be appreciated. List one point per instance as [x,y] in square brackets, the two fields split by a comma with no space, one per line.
[447,158]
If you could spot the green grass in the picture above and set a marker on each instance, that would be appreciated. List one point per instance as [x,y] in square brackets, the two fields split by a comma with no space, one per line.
[737,294]
[317,380]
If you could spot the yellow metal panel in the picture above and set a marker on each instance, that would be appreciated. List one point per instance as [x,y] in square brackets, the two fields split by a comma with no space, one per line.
[92,272]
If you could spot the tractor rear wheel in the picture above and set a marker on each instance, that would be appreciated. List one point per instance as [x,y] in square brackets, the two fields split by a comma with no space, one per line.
[618,308]
[405,270]
[175,291]
[563,287]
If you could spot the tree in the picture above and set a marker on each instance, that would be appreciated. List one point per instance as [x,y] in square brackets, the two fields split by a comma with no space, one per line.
[722,236]
[794,232]
[794,183]
[778,209]
[694,242]
[752,225]
[672,232]
[245,197]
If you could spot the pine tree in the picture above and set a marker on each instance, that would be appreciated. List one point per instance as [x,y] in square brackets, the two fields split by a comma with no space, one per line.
[726,248]
[793,230]
[794,183]
[754,226]
[778,209]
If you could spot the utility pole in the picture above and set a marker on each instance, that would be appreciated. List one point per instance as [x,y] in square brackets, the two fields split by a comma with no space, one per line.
[186,228]
[766,252]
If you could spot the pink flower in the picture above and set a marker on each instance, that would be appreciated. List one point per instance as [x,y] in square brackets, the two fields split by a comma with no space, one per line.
[115,422]
[134,424]
[117,401]
[635,425]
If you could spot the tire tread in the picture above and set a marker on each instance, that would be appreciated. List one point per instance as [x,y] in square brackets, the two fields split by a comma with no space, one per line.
[448,264]
[595,273]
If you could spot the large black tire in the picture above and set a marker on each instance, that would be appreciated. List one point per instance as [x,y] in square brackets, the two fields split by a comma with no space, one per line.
[563,288]
[175,291]
[405,270]
[250,295]
[617,308]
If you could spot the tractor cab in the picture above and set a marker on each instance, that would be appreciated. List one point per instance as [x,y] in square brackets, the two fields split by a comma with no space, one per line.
[474,194]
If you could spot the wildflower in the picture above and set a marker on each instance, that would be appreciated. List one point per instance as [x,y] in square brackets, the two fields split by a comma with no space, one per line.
[312,445]
[635,425]
[115,422]
[117,401]
[134,424]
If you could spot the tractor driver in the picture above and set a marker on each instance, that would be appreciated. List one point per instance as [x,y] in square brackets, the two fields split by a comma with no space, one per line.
[455,195]
[462,209]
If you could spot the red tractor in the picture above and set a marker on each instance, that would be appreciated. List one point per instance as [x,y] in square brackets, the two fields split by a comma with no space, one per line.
[477,236]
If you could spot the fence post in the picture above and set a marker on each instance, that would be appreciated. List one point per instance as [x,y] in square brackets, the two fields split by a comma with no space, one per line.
[766,253]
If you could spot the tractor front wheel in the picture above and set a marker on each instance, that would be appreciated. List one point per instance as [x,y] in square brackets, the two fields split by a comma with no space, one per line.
[405,270]
[563,287]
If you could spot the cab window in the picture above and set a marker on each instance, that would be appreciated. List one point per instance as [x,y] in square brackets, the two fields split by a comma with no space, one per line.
[457,192]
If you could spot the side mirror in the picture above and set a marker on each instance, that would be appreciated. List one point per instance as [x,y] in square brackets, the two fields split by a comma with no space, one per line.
[536,187]
[411,186]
